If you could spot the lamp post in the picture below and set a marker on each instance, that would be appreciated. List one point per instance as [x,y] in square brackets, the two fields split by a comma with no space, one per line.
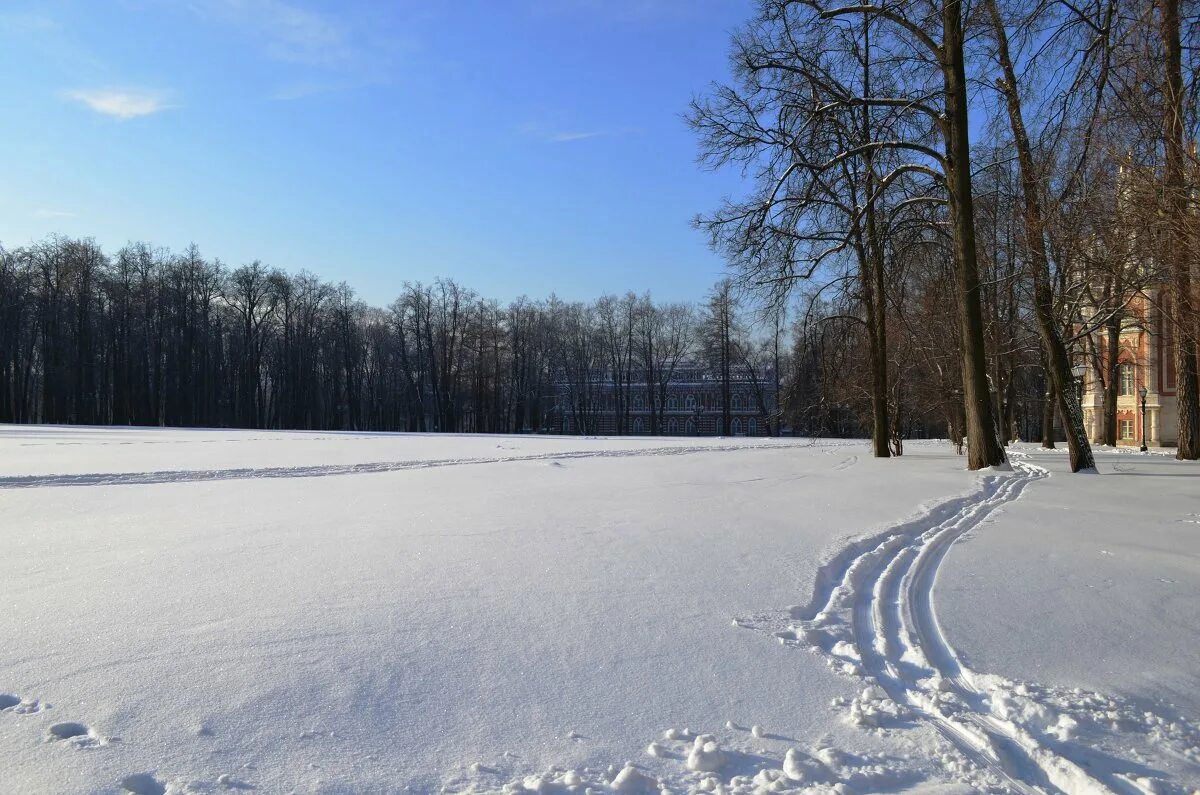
[1142,395]
[1048,411]
[1077,375]
[957,418]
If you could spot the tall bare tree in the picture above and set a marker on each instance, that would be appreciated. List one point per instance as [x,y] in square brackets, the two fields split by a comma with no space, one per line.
[1177,253]
[1034,181]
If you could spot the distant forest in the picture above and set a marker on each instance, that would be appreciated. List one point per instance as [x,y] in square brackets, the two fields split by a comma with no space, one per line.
[151,337]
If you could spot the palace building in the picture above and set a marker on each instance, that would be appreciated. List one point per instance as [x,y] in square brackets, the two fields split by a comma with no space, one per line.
[1146,360]
[1145,373]
[690,404]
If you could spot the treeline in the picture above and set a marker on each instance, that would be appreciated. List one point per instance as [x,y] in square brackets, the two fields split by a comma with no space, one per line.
[151,337]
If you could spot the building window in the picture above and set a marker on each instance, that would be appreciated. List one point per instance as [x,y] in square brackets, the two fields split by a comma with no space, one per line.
[1125,384]
[691,427]
[673,427]
[751,427]
[691,401]
[673,402]
[735,402]
[637,425]
[736,429]
[1126,430]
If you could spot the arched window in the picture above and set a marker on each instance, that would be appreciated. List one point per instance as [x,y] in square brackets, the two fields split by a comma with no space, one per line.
[637,425]
[1125,383]
[673,427]
[736,428]
[735,402]
[691,427]
[691,401]
[673,402]
[752,427]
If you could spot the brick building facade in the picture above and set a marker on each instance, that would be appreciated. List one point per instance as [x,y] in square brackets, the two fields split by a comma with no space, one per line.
[1146,358]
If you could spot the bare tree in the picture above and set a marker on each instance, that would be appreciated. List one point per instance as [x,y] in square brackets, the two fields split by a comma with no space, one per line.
[1033,185]
[664,339]
[794,60]
[1176,252]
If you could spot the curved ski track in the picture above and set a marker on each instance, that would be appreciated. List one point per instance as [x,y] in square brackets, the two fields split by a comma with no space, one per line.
[873,613]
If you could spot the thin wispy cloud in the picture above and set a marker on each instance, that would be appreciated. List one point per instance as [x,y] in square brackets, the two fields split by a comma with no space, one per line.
[287,31]
[623,10]
[119,103]
[48,215]
[330,49]
[562,136]
[567,137]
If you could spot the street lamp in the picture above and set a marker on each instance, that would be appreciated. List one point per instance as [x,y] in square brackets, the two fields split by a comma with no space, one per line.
[1142,395]
[1077,375]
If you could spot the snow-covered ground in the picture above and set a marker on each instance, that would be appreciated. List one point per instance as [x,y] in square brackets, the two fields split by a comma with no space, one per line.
[218,611]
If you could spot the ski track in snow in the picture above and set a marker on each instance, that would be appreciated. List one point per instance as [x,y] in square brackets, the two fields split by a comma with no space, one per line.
[366,468]
[873,616]
[849,462]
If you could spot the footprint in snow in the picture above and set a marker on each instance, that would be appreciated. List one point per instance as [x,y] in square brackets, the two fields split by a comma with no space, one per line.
[229,782]
[77,734]
[143,784]
[18,705]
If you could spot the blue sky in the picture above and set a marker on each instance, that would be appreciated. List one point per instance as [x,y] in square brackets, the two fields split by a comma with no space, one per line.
[519,146]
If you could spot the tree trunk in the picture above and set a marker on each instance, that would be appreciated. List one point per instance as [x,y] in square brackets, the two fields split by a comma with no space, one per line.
[1178,255]
[983,449]
[873,281]
[1048,412]
[1058,361]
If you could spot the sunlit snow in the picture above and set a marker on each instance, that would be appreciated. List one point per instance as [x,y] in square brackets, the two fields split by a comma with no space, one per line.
[199,611]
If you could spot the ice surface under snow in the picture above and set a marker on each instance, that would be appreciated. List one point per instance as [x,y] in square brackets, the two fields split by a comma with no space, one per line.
[226,611]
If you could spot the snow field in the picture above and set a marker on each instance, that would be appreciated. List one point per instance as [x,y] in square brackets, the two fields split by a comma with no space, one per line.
[359,614]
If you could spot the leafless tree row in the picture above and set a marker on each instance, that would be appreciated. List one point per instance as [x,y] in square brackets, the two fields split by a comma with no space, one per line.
[147,337]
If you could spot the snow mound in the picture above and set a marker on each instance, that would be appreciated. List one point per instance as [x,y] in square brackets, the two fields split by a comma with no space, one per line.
[803,769]
[706,755]
[873,707]
[630,779]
